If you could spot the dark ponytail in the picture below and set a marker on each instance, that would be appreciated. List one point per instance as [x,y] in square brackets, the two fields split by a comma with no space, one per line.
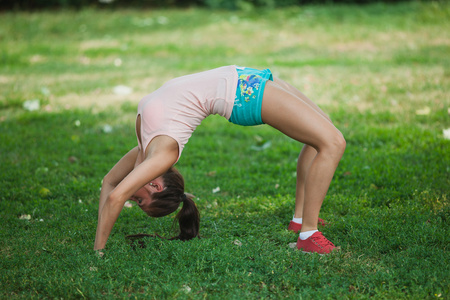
[188,218]
[168,200]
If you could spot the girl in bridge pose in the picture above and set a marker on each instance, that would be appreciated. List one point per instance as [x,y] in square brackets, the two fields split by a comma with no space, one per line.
[166,120]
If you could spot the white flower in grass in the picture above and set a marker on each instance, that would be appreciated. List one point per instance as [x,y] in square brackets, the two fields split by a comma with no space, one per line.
[446,133]
[25,217]
[216,190]
[186,288]
[32,105]
[107,128]
[117,62]
[122,90]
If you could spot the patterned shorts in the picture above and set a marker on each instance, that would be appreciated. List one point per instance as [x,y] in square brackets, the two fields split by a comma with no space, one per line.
[249,95]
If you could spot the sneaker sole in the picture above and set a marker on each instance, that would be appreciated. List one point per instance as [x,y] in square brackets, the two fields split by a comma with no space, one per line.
[337,249]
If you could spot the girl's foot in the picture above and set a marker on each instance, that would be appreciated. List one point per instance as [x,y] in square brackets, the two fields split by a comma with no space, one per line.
[296,227]
[316,243]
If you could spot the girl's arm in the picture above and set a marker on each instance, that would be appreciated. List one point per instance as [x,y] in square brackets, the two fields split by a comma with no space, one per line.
[122,168]
[162,153]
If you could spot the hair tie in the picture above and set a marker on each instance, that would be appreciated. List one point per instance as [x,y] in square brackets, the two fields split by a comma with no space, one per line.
[184,197]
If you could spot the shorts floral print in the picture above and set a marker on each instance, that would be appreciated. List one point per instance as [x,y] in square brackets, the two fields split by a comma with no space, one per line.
[249,86]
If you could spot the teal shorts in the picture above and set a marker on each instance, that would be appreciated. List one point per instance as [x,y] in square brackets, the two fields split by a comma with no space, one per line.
[249,96]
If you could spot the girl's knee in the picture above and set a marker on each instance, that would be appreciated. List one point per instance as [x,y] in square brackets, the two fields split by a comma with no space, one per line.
[334,146]
[339,144]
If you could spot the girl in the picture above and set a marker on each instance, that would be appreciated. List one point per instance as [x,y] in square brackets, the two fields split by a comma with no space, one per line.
[165,121]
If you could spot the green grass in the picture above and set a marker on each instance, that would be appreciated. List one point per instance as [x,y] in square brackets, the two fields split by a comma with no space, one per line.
[372,68]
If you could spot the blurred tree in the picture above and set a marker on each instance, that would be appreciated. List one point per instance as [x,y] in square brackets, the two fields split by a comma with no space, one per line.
[213,4]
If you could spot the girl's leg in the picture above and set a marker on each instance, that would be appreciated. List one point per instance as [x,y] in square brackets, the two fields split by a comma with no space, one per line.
[305,159]
[302,121]
[288,87]
[307,154]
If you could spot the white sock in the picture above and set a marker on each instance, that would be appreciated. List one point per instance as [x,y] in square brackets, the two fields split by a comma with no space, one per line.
[297,220]
[307,234]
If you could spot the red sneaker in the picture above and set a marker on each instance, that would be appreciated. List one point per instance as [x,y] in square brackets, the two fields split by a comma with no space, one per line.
[316,243]
[296,227]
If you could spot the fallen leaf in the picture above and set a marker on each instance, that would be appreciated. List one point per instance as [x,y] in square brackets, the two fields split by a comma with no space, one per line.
[186,288]
[258,139]
[211,174]
[44,192]
[374,186]
[237,243]
[72,159]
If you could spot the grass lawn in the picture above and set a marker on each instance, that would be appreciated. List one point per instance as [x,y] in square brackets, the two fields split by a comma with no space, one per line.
[382,72]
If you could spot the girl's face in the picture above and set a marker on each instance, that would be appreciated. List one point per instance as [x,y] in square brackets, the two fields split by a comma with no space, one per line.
[143,196]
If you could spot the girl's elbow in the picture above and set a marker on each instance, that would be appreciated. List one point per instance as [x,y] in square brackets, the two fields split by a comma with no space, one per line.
[114,198]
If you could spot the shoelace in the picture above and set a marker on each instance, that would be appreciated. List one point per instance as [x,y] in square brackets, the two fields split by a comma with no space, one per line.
[321,240]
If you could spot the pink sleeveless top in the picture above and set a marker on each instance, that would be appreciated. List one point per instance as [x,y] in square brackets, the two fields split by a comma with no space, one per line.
[181,104]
